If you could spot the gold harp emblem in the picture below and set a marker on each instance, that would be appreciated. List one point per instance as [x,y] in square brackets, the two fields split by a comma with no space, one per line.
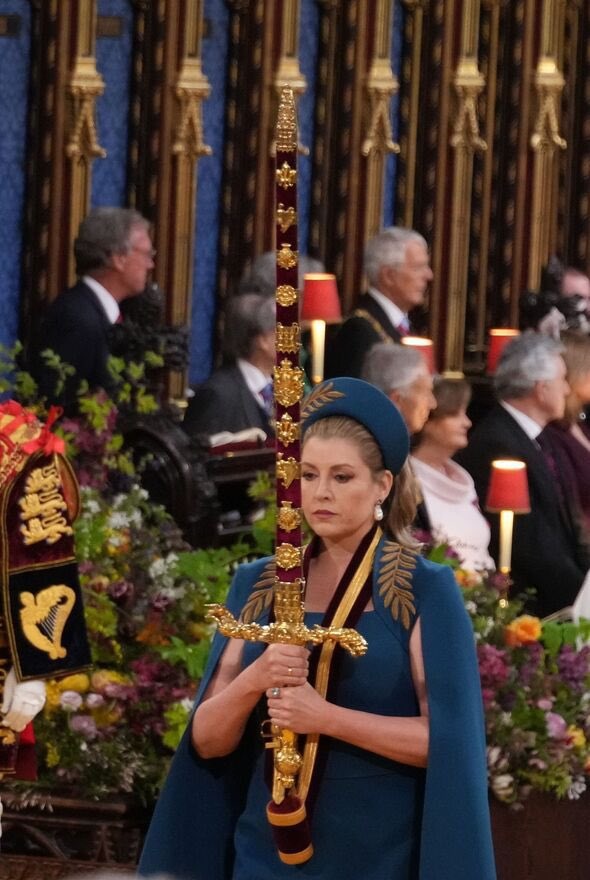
[44,616]
[286,217]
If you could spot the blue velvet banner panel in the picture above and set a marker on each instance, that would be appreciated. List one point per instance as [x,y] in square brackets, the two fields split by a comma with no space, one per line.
[113,62]
[14,77]
[391,166]
[308,57]
[210,168]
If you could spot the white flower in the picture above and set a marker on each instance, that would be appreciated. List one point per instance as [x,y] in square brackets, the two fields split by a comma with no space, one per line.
[471,607]
[576,789]
[503,786]
[118,520]
[187,704]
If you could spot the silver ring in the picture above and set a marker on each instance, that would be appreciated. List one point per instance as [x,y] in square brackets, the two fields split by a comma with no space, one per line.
[275,692]
[289,669]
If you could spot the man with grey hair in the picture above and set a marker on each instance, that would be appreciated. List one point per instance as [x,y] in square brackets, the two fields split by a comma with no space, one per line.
[398,272]
[401,373]
[114,256]
[239,395]
[531,387]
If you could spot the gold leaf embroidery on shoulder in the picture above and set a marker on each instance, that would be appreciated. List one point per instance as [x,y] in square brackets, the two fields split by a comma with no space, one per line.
[395,581]
[261,596]
[320,396]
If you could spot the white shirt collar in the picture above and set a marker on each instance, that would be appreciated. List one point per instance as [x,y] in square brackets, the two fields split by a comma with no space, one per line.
[254,378]
[393,312]
[106,299]
[530,427]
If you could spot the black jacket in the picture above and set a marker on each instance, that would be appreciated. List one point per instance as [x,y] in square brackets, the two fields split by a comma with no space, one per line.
[225,403]
[346,353]
[546,553]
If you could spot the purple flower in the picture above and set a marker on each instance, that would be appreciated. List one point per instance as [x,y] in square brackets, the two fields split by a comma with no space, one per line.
[70,701]
[574,666]
[85,725]
[556,725]
[532,659]
[493,668]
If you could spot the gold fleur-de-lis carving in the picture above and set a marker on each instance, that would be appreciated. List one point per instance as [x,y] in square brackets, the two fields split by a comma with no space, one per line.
[286,176]
[286,217]
[288,338]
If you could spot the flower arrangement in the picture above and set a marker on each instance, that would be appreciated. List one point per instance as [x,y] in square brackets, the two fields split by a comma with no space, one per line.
[535,678]
[113,729]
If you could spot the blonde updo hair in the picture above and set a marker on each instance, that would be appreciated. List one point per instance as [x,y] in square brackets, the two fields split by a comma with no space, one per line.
[400,506]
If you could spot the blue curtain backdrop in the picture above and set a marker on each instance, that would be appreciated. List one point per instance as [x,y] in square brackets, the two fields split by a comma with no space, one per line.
[391,166]
[210,169]
[14,78]
[113,62]
[308,56]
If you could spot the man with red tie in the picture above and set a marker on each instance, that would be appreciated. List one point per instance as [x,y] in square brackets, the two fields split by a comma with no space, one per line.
[398,271]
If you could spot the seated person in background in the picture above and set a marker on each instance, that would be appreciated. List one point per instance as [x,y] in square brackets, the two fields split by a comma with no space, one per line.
[239,395]
[567,441]
[114,257]
[576,283]
[401,373]
[531,386]
[397,268]
[450,504]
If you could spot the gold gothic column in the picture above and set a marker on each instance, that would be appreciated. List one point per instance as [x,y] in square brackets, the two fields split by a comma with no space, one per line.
[381,85]
[546,140]
[192,87]
[85,85]
[468,83]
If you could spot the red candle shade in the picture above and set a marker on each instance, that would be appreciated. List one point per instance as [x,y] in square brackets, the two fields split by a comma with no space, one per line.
[499,339]
[508,488]
[321,305]
[424,346]
[320,298]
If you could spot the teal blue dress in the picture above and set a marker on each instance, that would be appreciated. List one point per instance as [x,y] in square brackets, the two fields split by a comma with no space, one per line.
[373,818]
[349,842]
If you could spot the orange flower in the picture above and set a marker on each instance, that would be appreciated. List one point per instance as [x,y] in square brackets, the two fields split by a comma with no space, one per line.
[152,633]
[467,579]
[522,631]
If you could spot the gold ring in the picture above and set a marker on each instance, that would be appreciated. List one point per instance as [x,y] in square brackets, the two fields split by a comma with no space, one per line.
[289,669]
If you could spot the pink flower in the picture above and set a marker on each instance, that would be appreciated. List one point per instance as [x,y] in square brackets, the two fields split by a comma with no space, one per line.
[545,703]
[556,725]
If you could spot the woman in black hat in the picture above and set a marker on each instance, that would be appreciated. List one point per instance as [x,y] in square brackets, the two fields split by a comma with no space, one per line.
[394,775]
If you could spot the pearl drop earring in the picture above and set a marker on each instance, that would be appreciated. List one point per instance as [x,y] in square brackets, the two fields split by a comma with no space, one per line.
[378,511]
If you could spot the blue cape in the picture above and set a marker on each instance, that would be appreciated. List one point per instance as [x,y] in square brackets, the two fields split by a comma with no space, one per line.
[191,834]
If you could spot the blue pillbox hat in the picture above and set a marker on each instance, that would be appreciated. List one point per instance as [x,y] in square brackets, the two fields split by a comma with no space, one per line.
[366,404]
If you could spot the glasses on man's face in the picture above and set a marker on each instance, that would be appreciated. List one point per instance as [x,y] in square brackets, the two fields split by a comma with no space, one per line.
[148,253]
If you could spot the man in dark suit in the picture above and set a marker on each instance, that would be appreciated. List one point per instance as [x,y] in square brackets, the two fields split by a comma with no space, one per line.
[239,395]
[397,268]
[114,256]
[546,551]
